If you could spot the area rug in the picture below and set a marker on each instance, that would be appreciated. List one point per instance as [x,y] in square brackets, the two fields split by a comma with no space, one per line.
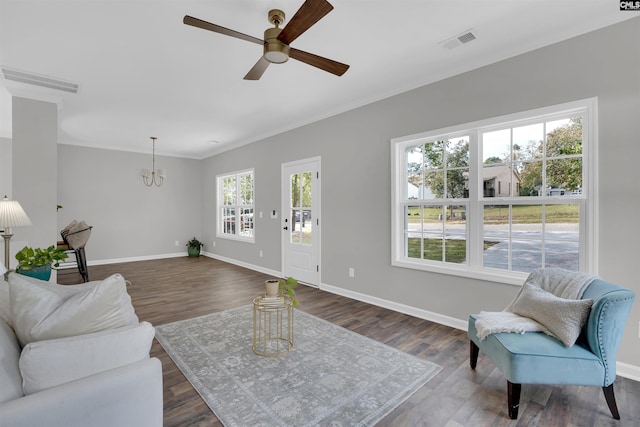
[332,377]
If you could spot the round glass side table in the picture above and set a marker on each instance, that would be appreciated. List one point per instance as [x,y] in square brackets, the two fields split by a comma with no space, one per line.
[272,326]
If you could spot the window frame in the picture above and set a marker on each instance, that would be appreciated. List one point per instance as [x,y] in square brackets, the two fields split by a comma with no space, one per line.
[588,200]
[220,206]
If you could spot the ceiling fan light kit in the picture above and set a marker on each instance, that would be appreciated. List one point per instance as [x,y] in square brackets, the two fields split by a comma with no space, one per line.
[276,43]
[275,51]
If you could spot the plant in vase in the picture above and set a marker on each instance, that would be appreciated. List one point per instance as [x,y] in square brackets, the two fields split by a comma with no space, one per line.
[287,289]
[277,288]
[38,262]
[193,247]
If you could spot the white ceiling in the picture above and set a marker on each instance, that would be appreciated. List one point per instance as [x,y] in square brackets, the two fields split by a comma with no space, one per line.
[143,73]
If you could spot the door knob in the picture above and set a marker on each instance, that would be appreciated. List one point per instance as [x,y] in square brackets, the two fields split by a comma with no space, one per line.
[285,228]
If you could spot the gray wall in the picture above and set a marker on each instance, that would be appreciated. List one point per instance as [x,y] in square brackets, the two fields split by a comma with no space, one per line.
[129,219]
[355,152]
[34,152]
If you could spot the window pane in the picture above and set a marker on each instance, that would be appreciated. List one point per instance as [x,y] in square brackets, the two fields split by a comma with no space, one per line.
[414,247]
[496,220]
[433,154]
[565,174]
[229,191]
[562,255]
[295,190]
[413,222]
[432,220]
[434,184]
[526,255]
[306,189]
[530,178]
[526,221]
[455,228]
[496,146]
[496,253]
[564,137]
[497,180]
[414,172]
[246,222]
[562,222]
[458,152]
[433,247]
[229,220]
[457,183]
[528,142]
[246,189]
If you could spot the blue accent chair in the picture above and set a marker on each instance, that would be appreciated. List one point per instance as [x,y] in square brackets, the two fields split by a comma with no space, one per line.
[537,358]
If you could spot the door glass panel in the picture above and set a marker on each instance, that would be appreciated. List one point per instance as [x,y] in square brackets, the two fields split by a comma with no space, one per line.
[301,229]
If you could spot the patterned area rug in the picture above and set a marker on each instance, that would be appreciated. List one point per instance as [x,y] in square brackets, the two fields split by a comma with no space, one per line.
[332,377]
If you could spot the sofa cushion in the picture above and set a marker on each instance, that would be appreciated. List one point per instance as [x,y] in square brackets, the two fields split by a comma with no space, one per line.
[10,380]
[46,364]
[563,318]
[5,312]
[41,312]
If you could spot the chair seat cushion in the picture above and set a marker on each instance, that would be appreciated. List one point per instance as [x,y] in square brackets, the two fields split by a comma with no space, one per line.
[537,358]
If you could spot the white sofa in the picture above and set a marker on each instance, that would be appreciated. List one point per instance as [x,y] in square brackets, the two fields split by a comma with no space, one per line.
[103,378]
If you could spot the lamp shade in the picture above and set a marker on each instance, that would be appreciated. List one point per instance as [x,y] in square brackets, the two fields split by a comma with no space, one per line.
[12,214]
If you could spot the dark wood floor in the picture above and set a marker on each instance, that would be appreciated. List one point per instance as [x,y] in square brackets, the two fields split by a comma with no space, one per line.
[164,291]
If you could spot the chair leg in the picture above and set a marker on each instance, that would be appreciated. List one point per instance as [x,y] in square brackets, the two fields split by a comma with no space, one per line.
[611,401]
[473,354]
[513,399]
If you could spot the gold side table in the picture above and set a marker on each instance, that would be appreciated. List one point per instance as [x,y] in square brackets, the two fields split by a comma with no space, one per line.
[272,326]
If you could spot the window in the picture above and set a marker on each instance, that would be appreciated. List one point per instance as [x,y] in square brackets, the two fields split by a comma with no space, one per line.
[236,205]
[498,198]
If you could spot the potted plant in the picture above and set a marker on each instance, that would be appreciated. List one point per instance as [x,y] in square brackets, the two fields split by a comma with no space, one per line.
[287,289]
[193,247]
[38,262]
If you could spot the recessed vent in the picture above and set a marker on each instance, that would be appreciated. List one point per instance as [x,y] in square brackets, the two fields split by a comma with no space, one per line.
[459,40]
[38,80]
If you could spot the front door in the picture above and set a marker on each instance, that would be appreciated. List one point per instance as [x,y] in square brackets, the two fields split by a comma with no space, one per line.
[301,220]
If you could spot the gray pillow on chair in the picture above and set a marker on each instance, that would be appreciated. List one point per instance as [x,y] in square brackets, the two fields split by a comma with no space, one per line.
[564,318]
[78,235]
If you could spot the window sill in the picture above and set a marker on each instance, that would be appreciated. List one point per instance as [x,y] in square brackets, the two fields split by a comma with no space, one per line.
[236,238]
[498,276]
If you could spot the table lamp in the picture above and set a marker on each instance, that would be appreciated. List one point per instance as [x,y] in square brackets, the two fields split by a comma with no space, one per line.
[11,215]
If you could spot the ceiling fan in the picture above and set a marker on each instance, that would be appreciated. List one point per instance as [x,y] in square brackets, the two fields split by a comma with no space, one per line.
[277,40]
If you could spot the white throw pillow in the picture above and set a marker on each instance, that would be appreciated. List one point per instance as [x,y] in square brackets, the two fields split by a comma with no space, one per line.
[41,312]
[564,318]
[46,364]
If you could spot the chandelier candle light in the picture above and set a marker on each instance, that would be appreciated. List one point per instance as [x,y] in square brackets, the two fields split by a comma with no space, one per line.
[152,177]
[11,215]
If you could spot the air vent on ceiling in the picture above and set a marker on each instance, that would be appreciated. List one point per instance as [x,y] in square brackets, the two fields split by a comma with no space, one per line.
[459,40]
[38,80]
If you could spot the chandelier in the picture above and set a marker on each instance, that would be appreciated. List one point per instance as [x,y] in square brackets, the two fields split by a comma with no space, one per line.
[152,177]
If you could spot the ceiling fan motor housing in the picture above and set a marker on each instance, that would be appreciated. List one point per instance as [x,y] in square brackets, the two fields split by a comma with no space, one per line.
[275,51]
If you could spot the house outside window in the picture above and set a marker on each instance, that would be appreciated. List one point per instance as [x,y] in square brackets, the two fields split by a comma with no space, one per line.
[236,206]
[498,198]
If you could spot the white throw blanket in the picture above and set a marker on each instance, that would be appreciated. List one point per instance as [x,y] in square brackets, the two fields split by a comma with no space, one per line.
[560,282]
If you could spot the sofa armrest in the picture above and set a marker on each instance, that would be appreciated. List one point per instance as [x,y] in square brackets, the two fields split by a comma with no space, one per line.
[127,396]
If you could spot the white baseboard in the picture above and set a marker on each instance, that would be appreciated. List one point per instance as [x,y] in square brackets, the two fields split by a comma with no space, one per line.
[133,259]
[625,370]
[401,308]
[244,264]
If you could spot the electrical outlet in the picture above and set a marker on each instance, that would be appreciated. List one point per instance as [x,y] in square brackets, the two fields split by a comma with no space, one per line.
[177,243]
[214,243]
[352,272]
[260,253]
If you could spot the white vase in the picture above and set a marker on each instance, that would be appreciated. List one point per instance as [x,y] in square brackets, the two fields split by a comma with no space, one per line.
[272,287]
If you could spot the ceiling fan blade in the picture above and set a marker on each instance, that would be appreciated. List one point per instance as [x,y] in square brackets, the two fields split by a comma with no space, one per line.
[257,70]
[309,13]
[199,23]
[329,65]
